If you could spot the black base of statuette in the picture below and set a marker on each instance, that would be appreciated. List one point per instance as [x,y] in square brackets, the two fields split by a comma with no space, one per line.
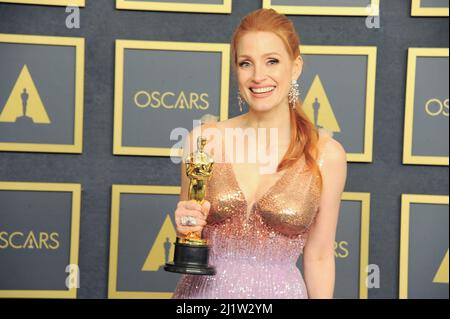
[190,259]
[190,270]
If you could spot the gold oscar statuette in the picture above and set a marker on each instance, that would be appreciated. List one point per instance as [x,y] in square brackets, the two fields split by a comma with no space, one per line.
[191,251]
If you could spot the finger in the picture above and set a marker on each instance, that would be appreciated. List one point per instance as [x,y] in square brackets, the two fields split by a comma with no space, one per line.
[193,213]
[205,208]
[200,222]
[192,205]
[188,229]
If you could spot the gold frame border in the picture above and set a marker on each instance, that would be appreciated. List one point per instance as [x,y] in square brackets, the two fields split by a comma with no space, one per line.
[408,157]
[121,45]
[75,189]
[371,53]
[324,10]
[364,198]
[79,44]
[418,11]
[117,190]
[226,7]
[406,201]
[79,3]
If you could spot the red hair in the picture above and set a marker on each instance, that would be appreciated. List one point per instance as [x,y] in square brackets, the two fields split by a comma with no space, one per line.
[304,135]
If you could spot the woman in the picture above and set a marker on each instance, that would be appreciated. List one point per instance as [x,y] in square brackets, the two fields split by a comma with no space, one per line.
[257,224]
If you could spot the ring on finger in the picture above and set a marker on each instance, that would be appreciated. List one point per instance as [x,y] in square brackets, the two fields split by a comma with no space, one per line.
[188,221]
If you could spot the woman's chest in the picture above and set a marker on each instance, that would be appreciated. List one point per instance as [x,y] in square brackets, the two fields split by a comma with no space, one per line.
[287,205]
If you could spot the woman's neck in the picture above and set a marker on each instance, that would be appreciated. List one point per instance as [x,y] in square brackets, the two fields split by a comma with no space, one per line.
[278,118]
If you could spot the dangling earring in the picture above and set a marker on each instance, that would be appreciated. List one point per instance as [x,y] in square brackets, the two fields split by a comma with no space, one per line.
[293,94]
[240,101]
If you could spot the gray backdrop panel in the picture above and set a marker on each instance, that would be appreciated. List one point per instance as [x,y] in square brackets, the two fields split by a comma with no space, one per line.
[427,251]
[52,69]
[33,268]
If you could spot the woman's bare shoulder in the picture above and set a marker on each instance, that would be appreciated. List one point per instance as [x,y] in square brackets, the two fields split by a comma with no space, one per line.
[330,149]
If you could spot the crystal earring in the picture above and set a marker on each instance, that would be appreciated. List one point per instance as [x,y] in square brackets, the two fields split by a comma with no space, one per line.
[240,101]
[293,94]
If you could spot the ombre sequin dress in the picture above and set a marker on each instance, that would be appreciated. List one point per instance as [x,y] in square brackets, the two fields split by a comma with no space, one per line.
[255,249]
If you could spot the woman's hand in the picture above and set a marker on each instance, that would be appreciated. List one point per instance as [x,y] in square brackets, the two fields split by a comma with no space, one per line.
[193,212]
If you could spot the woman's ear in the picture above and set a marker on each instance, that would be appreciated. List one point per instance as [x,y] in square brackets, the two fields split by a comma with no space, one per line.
[298,67]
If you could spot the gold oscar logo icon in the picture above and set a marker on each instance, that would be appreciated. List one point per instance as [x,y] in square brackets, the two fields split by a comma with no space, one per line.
[162,248]
[24,102]
[441,276]
[318,108]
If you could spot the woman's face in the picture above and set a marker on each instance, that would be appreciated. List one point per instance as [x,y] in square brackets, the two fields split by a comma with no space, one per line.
[265,70]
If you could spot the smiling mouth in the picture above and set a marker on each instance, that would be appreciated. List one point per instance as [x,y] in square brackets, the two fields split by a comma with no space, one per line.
[262,90]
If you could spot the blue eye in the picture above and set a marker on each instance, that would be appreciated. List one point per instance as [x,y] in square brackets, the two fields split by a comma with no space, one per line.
[246,63]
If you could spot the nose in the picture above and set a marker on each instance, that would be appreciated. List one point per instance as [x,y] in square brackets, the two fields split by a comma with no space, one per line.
[259,73]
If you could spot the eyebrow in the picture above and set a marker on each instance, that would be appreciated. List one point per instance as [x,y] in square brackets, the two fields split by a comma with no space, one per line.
[267,54]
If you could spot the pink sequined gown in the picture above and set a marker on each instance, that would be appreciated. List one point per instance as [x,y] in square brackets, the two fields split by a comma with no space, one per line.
[255,253]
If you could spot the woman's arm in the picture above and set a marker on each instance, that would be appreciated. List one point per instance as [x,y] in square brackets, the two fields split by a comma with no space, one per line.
[318,254]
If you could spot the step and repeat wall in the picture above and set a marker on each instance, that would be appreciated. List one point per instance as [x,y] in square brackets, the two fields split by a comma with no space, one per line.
[96,96]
